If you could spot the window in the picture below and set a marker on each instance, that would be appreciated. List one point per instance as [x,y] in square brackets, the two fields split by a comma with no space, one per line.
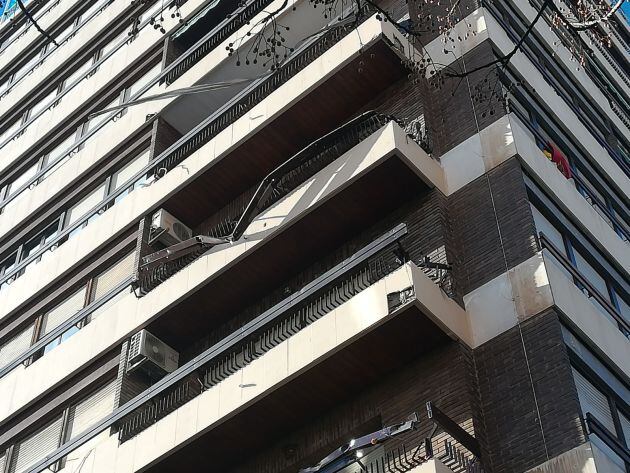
[80,416]
[32,449]
[43,103]
[144,80]
[78,72]
[603,397]
[20,180]
[6,266]
[609,292]
[112,277]
[62,312]
[91,409]
[122,177]
[88,202]
[15,126]
[113,44]
[17,345]
[97,287]
[37,243]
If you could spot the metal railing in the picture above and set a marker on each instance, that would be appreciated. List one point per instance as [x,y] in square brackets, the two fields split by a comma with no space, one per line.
[293,318]
[228,26]
[72,321]
[280,182]
[582,282]
[202,133]
[591,198]
[226,346]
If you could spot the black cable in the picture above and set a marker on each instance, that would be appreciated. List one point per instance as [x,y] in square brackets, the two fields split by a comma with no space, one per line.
[34,22]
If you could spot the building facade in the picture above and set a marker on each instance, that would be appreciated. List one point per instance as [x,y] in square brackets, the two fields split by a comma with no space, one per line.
[278,236]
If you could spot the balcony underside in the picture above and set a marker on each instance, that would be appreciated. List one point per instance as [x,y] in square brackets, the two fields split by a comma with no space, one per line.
[362,204]
[364,362]
[336,100]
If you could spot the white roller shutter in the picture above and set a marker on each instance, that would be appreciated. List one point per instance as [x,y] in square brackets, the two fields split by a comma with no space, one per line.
[121,177]
[16,346]
[63,311]
[593,401]
[88,202]
[113,276]
[29,451]
[92,409]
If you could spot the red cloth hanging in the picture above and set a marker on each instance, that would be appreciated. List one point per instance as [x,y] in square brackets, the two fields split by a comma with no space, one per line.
[556,156]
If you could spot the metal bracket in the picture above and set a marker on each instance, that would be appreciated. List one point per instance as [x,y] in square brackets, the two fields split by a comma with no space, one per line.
[448,425]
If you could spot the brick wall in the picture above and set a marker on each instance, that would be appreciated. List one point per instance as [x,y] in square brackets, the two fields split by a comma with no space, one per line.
[458,108]
[430,16]
[441,376]
[491,226]
[527,397]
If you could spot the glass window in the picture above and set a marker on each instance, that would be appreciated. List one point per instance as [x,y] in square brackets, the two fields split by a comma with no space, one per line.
[122,177]
[32,449]
[43,103]
[63,311]
[88,202]
[107,305]
[36,244]
[113,43]
[95,7]
[78,72]
[91,409]
[10,130]
[625,427]
[546,227]
[144,80]
[112,277]
[624,307]
[17,345]
[26,67]
[593,401]
[22,179]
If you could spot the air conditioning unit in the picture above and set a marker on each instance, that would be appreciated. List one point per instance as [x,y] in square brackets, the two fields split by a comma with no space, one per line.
[151,354]
[167,229]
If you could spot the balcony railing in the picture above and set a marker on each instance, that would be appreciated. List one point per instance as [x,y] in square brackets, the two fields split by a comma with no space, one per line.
[233,23]
[276,185]
[582,282]
[255,330]
[285,319]
[203,133]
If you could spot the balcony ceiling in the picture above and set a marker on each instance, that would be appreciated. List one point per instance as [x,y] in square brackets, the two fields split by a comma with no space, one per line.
[329,106]
[374,196]
[365,362]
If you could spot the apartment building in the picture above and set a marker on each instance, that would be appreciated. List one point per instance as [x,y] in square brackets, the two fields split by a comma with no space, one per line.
[262,236]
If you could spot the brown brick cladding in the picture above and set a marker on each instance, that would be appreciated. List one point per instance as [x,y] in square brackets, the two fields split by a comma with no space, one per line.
[441,376]
[515,394]
[429,16]
[492,228]
[528,398]
[458,108]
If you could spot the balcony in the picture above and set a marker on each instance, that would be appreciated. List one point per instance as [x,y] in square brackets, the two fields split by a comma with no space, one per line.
[227,132]
[279,371]
[372,173]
